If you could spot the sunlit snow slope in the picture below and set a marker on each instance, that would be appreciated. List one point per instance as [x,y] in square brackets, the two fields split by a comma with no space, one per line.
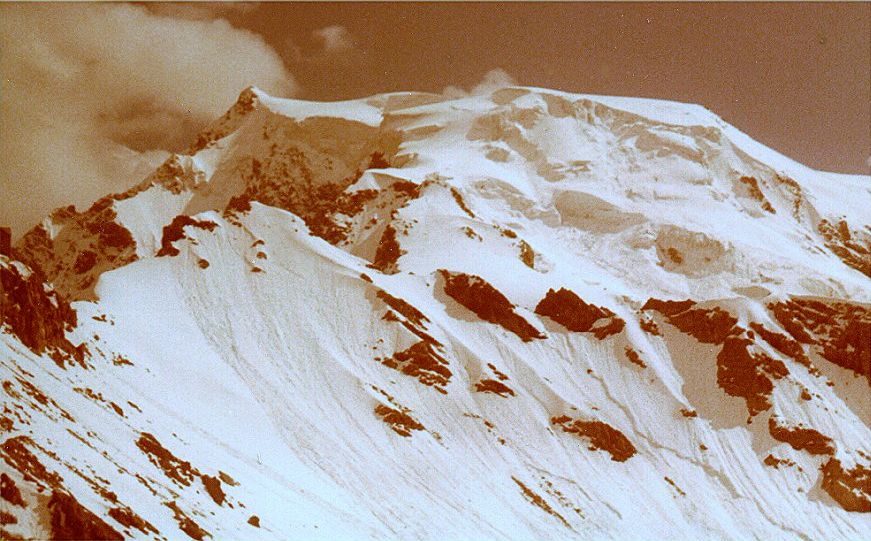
[524,315]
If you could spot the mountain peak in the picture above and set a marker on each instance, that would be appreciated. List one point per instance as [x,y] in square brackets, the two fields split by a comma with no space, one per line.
[603,314]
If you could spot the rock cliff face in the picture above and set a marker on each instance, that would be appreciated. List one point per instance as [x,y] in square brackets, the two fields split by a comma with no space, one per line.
[36,315]
[523,315]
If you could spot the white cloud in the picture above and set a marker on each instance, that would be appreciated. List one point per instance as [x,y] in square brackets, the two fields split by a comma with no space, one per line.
[199,11]
[331,46]
[335,38]
[83,83]
[494,79]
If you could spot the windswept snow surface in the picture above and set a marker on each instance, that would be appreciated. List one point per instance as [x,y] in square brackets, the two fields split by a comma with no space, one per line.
[406,317]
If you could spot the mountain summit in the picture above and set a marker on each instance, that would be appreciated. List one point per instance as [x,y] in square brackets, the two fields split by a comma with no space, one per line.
[521,315]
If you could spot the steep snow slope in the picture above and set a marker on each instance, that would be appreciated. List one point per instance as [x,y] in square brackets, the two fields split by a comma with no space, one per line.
[417,318]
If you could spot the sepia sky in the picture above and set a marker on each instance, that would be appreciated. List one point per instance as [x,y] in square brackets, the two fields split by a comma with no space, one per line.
[93,96]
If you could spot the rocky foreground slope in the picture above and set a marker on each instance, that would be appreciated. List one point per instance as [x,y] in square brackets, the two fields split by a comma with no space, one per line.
[524,315]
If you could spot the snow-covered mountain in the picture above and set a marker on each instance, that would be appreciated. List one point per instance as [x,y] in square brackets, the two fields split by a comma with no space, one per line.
[522,315]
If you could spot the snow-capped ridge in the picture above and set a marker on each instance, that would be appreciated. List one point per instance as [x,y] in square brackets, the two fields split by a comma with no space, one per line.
[523,314]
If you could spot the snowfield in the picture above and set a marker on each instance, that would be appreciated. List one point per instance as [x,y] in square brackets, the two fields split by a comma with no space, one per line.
[523,315]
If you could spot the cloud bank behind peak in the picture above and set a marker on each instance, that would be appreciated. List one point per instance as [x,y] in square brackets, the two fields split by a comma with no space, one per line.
[94,95]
